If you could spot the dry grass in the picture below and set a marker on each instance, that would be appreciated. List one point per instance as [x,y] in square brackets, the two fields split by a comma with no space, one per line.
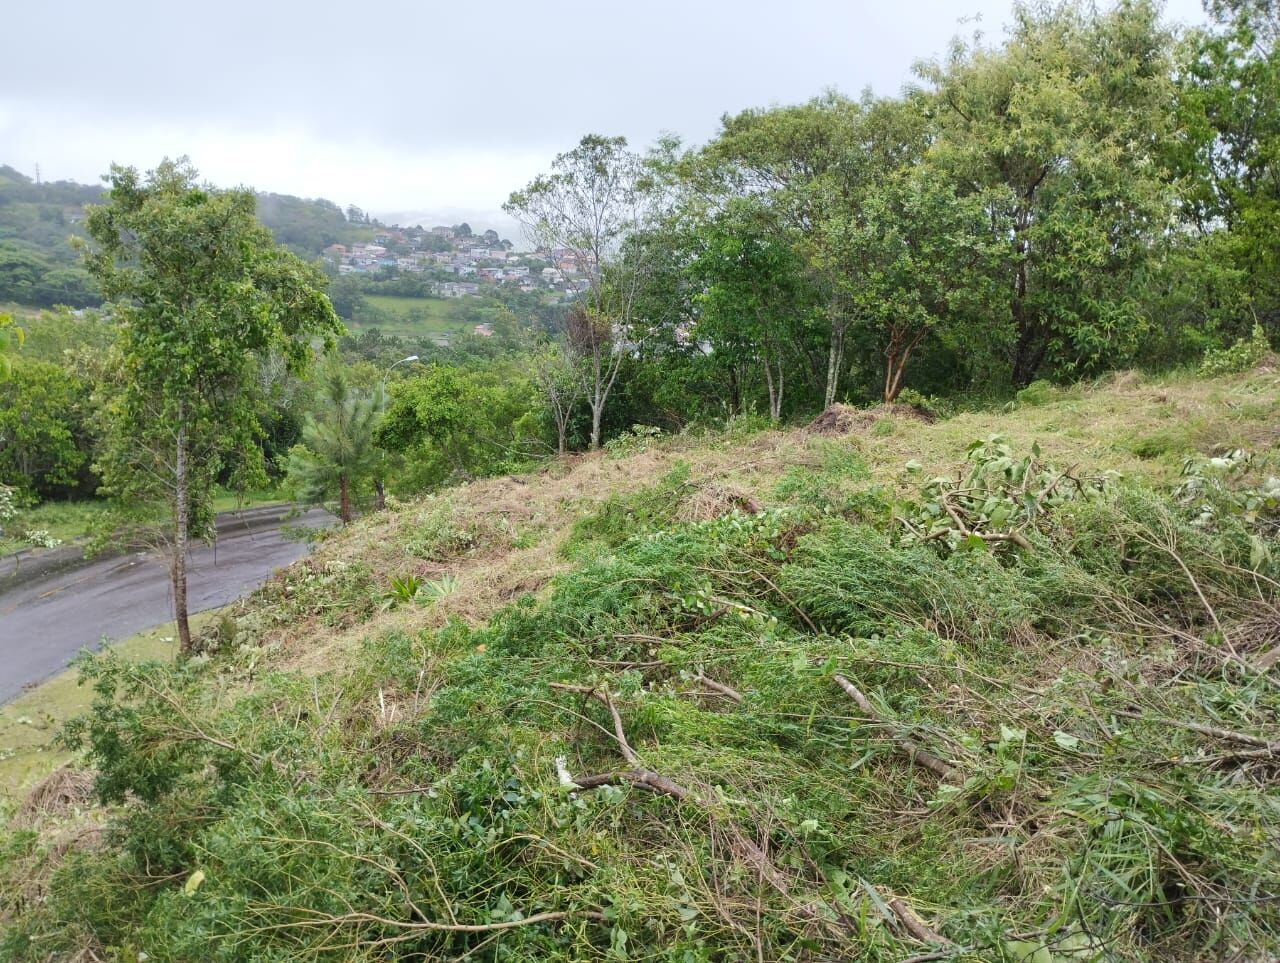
[61,792]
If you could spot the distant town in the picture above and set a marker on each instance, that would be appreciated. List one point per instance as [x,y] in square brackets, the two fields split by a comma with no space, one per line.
[464,263]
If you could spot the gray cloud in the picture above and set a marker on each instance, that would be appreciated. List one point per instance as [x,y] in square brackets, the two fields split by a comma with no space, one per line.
[428,106]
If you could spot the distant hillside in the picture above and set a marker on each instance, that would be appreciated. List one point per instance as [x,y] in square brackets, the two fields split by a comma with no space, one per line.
[38,266]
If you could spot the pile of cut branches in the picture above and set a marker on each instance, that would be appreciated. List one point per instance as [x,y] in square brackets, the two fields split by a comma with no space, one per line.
[998,498]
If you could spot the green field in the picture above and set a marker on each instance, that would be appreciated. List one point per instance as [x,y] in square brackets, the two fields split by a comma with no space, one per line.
[412,317]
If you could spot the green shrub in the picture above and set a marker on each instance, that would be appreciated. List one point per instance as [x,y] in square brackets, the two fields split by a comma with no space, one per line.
[1246,353]
[621,516]
[633,441]
[1039,392]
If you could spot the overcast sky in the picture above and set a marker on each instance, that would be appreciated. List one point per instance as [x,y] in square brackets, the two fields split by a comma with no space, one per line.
[432,109]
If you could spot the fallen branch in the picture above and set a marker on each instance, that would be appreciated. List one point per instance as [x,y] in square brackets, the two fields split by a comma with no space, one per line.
[743,848]
[913,750]
[749,852]
[1227,735]
[914,925]
[727,691]
[602,695]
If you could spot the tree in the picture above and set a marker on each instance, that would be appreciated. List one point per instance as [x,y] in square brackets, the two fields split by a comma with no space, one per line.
[337,453]
[11,337]
[559,383]
[44,437]
[597,197]
[754,300]
[1228,157]
[444,415]
[1062,130]
[200,291]
[812,167]
[919,258]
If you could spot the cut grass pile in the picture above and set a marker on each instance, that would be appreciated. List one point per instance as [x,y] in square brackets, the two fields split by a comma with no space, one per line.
[713,700]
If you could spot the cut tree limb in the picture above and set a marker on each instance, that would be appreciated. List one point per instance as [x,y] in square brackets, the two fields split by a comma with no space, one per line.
[727,691]
[913,750]
[914,925]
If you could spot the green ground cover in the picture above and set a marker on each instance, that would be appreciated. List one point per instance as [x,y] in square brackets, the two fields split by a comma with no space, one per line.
[413,317]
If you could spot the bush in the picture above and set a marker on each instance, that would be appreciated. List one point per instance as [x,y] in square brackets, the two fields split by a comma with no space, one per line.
[1246,353]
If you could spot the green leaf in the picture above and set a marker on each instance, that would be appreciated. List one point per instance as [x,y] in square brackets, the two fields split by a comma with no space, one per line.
[193,882]
[1066,740]
[1011,734]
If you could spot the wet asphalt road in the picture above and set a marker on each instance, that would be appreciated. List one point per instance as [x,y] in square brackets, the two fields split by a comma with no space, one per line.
[47,620]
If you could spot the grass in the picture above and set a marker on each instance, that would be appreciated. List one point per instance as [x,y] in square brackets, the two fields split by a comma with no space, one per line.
[413,317]
[73,520]
[29,723]
[744,620]
[20,311]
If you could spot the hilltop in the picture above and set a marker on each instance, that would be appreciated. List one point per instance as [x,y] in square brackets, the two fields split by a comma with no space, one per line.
[895,686]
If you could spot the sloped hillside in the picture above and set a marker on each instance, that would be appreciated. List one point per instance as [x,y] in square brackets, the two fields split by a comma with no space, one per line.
[998,686]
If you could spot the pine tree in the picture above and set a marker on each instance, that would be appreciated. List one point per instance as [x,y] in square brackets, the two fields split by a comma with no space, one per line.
[337,453]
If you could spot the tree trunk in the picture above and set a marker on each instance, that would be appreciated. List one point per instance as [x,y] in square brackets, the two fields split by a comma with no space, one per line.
[1027,353]
[380,494]
[835,361]
[773,394]
[775,390]
[561,427]
[182,519]
[597,412]
[344,499]
[896,357]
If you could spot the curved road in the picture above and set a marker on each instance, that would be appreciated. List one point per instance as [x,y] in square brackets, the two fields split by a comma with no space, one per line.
[47,619]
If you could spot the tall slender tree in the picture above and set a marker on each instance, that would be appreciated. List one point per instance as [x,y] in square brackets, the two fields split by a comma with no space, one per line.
[597,197]
[200,291]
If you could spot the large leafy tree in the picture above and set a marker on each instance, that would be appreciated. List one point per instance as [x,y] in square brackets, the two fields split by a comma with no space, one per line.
[753,299]
[817,168]
[200,292]
[1228,153]
[44,429]
[1062,130]
[920,262]
[338,454]
[455,424]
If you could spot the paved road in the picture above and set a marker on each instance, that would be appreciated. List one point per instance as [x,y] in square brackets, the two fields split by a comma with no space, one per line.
[46,621]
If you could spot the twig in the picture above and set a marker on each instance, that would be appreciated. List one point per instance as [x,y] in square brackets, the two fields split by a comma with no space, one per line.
[787,598]
[1218,733]
[914,751]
